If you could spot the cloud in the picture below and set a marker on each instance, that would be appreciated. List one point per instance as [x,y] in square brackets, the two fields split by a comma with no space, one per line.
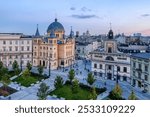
[84,16]
[84,9]
[72,8]
[145,15]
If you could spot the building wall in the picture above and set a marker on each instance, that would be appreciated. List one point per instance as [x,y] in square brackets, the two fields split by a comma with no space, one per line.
[56,55]
[102,66]
[14,47]
[139,74]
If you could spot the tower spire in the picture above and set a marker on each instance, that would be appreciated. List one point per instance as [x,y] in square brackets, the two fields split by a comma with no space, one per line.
[110,26]
[71,33]
[37,34]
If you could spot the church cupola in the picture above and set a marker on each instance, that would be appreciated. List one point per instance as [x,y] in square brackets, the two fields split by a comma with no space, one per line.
[110,34]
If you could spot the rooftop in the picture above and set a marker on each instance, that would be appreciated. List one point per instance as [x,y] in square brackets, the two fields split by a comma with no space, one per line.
[141,55]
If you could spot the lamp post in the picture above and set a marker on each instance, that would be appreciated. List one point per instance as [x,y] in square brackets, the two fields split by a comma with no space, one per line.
[20,61]
[117,75]
[49,67]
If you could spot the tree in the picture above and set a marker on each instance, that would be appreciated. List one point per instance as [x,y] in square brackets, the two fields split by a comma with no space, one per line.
[90,79]
[3,72]
[71,75]
[75,86]
[40,69]
[15,67]
[58,83]
[43,91]
[1,65]
[26,73]
[116,93]
[93,95]
[132,96]
[29,66]
[5,81]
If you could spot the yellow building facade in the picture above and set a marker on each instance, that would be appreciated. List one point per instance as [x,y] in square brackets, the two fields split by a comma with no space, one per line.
[54,50]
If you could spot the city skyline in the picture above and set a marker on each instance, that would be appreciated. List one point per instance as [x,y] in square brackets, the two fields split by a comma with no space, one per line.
[126,16]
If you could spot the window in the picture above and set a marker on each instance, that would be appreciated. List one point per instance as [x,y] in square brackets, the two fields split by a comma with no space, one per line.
[40,53]
[10,48]
[109,67]
[10,62]
[22,48]
[4,48]
[10,57]
[16,56]
[146,68]
[22,42]
[22,56]
[16,48]
[28,48]
[139,75]
[28,56]
[50,41]
[16,42]
[118,68]
[95,65]
[95,73]
[4,42]
[28,42]
[109,50]
[134,65]
[133,73]
[125,69]
[146,77]
[57,35]
[100,66]
[140,66]
[100,74]
[34,53]
[10,42]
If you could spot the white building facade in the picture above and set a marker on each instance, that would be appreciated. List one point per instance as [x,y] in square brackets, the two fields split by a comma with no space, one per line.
[109,63]
[140,71]
[15,46]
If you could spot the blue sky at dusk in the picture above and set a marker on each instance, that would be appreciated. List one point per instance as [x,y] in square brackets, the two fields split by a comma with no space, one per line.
[126,16]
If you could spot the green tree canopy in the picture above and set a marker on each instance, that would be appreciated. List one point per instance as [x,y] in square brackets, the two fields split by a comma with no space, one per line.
[116,93]
[40,69]
[94,94]
[132,96]
[71,75]
[26,73]
[1,65]
[29,66]
[43,91]
[90,79]
[15,67]
[75,86]
[58,83]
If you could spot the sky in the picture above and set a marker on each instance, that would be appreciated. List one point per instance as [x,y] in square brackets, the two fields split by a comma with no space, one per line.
[125,16]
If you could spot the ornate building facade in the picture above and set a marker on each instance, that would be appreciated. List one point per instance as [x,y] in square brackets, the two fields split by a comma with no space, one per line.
[109,63]
[15,46]
[54,50]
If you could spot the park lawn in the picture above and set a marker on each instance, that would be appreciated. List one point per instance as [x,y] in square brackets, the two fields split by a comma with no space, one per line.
[27,81]
[66,92]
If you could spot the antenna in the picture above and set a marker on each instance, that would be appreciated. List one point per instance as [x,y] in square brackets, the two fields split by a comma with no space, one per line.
[110,26]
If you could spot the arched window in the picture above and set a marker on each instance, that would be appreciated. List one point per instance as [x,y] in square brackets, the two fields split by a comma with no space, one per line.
[109,58]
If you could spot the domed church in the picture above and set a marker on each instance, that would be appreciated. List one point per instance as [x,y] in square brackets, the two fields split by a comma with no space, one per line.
[54,50]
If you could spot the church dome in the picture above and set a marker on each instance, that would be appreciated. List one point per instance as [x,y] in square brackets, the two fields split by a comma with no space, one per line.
[56,27]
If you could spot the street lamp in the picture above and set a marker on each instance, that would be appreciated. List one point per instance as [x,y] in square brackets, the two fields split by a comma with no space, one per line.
[117,75]
[20,61]
[49,67]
